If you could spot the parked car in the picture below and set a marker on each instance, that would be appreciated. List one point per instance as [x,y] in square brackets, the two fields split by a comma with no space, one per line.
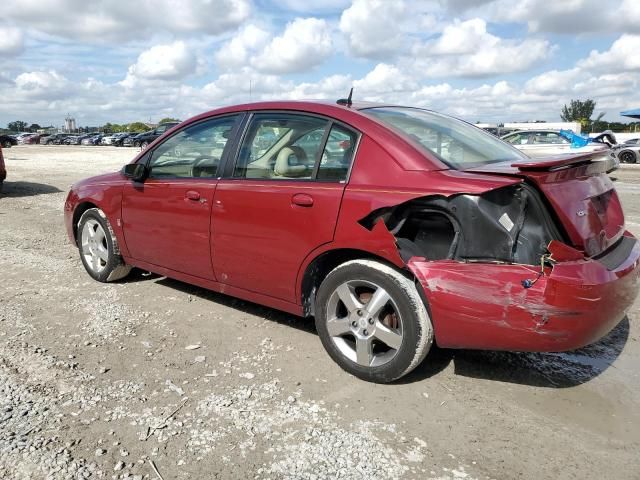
[7,141]
[94,139]
[3,170]
[397,243]
[113,139]
[120,141]
[53,139]
[144,139]
[543,143]
[109,139]
[71,140]
[130,140]
[629,151]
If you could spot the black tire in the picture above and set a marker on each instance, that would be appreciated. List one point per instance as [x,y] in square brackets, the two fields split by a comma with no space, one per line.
[114,267]
[6,144]
[144,145]
[416,331]
[136,144]
[627,156]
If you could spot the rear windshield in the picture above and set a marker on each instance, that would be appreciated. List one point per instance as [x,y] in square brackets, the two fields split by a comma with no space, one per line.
[458,144]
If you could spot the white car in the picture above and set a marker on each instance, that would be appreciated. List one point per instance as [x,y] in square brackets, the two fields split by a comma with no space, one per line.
[544,143]
[629,151]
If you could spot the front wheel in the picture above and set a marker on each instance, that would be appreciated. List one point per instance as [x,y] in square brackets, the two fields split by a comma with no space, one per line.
[6,144]
[98,247]
[372,321]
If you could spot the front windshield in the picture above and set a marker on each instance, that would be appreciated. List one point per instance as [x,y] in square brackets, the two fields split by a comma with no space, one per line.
[458,144]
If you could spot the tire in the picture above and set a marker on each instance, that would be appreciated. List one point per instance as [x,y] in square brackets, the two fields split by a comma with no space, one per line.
[627,157]
[6,144]
[101,259]
[136,144]
[394,338]
[144,145]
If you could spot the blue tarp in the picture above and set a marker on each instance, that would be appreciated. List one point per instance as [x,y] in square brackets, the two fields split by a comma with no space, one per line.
[577,140]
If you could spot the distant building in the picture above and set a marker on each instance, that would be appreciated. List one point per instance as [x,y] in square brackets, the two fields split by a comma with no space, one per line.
[69,124]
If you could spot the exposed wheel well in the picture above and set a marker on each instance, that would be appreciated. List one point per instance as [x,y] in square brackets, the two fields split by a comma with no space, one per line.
[77,213]
[323,264]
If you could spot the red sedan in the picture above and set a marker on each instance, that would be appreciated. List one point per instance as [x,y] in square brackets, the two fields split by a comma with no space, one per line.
[392,226]
[3,170]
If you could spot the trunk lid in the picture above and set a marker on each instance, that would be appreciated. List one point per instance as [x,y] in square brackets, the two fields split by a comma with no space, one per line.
[579,191]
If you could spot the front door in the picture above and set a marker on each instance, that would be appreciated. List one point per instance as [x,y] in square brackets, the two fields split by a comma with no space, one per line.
[167,218]
[281,202]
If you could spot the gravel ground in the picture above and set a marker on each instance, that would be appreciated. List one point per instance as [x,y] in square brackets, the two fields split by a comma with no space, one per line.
[121,380]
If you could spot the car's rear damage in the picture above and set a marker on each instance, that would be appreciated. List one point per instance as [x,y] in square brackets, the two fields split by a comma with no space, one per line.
[541,265]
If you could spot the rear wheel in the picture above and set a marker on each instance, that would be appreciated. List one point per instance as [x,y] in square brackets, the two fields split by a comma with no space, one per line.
[372,321]
[98,247]
[627,157]
[6,144]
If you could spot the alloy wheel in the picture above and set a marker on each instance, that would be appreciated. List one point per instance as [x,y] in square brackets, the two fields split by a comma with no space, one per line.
[364,323]
[94,246]
[627,157]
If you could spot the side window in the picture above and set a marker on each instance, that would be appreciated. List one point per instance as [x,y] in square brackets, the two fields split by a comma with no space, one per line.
[194,151]
[281,146]
[338,154]
[548,138]
[518,139]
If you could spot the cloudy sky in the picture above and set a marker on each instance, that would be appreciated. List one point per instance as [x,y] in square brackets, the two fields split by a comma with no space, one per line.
[483,60]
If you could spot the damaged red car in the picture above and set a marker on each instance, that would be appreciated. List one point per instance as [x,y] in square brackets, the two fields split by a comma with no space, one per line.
[394,227]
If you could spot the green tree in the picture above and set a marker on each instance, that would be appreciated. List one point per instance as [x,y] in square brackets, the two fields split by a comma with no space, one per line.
[34,127]
[137,127]
[17,126]
[578,111]
[169,120]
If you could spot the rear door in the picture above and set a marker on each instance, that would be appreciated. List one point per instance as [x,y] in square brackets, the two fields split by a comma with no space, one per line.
[167,217]
[280,201]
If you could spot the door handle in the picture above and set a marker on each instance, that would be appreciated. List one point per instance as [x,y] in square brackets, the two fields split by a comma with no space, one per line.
[302,200]
[192,195]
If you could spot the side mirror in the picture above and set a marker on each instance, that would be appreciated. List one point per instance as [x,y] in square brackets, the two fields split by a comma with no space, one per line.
[135,171]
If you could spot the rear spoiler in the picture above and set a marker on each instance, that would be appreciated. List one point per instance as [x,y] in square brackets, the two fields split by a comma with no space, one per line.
[561,162]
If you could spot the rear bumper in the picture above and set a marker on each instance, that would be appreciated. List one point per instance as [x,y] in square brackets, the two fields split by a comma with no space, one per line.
[485,306]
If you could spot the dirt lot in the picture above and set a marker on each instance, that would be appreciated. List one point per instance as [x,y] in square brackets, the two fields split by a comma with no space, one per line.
[101,381]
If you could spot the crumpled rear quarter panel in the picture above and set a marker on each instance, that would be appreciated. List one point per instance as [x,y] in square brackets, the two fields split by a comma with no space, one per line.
[485,306]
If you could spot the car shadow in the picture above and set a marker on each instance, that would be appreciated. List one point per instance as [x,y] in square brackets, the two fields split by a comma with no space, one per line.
[26,189]
[550,370]
[283,318]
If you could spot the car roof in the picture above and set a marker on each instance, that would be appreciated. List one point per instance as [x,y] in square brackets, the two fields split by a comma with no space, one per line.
[532,131]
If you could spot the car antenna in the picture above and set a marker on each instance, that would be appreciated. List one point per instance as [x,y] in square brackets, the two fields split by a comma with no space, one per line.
[346,101]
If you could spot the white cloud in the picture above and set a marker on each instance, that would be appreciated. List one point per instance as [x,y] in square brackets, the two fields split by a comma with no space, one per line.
[624,55]
[121,20]
[462,38]
[11,40]
[374,28]
[165,62]
[384,79]
[42,84]
[305,43]
[467,49]
[569,16]
[553,81]
[236,52]
[307,6]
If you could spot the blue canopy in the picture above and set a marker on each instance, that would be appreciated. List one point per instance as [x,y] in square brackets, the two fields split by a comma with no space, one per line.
[631,113]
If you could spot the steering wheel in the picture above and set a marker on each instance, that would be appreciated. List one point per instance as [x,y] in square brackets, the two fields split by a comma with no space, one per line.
[205,166]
